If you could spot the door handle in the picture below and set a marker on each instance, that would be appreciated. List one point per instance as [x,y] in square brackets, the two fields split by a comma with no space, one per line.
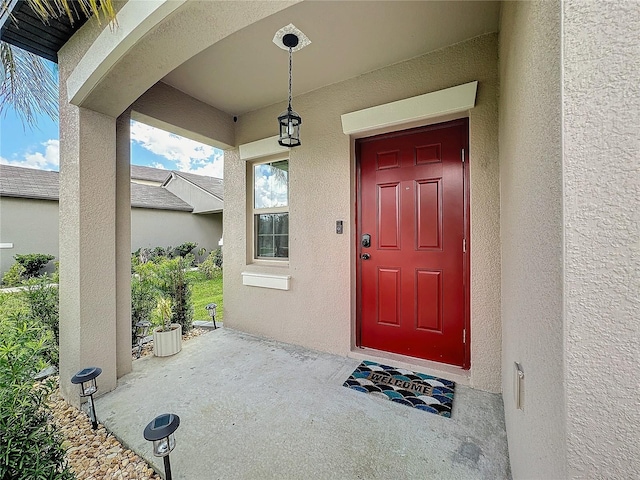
[365,256]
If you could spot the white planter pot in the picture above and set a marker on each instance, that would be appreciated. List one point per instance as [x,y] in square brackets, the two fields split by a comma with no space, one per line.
[167,343]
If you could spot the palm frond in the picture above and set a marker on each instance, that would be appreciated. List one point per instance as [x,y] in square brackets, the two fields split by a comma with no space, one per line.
[47,9]
[28,86]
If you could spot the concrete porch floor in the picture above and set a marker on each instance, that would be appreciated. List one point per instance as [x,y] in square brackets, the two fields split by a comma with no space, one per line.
[252,408]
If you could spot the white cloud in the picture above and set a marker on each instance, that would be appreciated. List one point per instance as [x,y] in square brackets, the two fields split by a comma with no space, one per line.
[188,155]
[182,153]
[213,168]
[271,188]
[47,160]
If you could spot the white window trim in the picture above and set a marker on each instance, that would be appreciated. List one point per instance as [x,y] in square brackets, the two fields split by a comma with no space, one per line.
[276,261]
[266,280]
[442,103]
[262,148]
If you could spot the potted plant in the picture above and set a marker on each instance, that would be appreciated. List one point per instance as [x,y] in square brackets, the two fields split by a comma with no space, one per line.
[167,339]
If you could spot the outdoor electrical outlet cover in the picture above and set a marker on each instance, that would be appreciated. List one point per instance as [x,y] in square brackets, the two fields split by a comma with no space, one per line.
[339,227]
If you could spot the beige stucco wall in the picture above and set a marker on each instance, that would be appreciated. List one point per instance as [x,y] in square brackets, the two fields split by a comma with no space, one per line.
[601,108]
[531,234]
[123,240]
[87,234]
[319,309]
[31,226]
[153,228]
[167,108]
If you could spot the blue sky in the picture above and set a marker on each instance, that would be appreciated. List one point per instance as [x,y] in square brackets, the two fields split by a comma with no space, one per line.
[39,147]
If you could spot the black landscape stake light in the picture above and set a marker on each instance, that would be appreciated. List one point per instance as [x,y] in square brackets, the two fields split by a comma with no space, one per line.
[160,432]
[142,330]
[86,378]
[211,308]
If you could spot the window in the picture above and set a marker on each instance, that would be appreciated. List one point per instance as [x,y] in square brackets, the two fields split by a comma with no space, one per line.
[271,210]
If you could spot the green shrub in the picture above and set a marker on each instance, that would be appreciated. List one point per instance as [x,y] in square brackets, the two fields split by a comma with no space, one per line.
[30,447]
[33,262]
[144,293]
[184,249]
[165,310]
[209,267]
[55,277]
[14,276]
[162,278]
[217,259]
[12,304]
[176,285]
[42,299]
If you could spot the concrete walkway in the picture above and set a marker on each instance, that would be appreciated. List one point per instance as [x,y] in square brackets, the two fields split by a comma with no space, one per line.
[257,409]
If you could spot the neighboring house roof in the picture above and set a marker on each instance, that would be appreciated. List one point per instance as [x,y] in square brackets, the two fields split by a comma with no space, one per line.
[149,174]
[44,185]
[149,196]
[28,183]
[212,185]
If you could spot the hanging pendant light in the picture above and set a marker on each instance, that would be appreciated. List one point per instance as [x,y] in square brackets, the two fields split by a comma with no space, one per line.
[289,120]
[290,39]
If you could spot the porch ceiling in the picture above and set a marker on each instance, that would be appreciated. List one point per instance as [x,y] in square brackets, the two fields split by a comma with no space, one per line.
[246,71]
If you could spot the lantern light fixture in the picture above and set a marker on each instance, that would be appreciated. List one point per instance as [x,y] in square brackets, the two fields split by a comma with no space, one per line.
[212,308]
[161,431]
[86,378]
[291,39]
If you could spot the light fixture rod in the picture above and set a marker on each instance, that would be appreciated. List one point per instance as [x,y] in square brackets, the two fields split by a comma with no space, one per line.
[290,75]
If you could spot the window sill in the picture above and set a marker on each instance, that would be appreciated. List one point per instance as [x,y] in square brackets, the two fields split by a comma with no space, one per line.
[266,280]
[270,263]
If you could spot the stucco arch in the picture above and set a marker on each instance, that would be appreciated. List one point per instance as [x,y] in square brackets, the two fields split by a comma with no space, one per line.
[152,39]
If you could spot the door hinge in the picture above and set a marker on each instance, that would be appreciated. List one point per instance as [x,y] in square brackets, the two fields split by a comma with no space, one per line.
[464,335]
[462,154]
[464,245]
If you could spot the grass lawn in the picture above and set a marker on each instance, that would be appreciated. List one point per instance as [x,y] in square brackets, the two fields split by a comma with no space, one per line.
[205,291]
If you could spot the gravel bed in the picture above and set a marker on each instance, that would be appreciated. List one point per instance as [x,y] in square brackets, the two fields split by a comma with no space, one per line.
[97,454]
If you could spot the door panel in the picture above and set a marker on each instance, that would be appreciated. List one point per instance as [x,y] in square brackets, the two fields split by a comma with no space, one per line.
[429,300]
[389,216]
[388,295]
[429,213]
[412,290]
[428,154]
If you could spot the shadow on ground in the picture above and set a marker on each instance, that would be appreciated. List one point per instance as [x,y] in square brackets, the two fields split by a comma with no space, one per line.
[257,409]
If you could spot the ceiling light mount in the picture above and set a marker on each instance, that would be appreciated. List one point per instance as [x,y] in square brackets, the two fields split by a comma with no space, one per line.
[289,32]
[290,40]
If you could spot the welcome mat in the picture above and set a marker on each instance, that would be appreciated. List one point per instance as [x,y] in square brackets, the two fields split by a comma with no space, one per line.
[424,392]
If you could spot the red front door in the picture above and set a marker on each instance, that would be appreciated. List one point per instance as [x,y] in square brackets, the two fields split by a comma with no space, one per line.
[412,276]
